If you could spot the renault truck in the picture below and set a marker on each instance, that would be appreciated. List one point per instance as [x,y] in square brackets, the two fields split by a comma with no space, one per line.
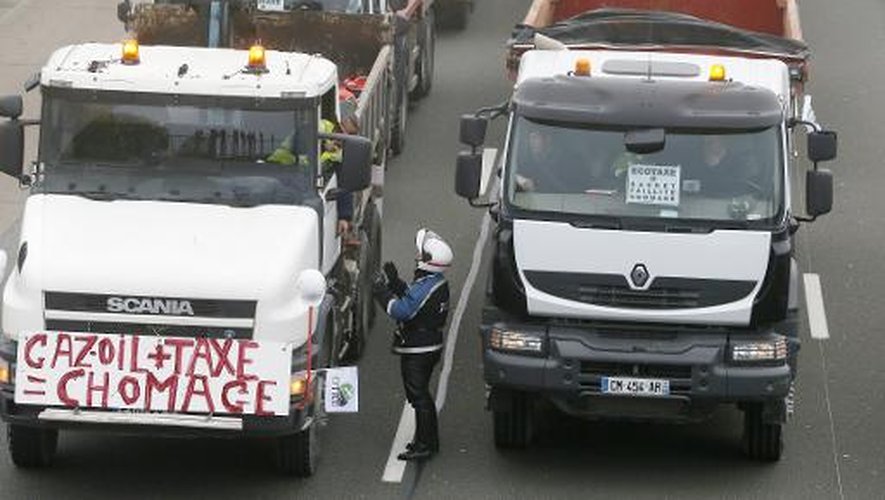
[643,255]
[179,271]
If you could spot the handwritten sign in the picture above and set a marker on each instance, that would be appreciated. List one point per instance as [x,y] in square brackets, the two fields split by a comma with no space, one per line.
[654,184]
[141,373]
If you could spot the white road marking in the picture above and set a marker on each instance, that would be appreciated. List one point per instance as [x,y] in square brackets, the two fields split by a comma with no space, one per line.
[395,469]
[834,441]
[489,155]
[814,301]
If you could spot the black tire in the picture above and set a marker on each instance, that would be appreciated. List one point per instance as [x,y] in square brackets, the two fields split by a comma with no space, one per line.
[428,57]
[298,454]
[32,447]
[398,123]
[513,420]
[763,441]
[455,16]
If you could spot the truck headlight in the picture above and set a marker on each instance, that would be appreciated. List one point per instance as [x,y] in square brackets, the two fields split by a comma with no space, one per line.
[510,341]
[298,385]
[5,372]
[759,352]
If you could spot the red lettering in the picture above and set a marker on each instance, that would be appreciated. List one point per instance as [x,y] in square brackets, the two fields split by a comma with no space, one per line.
[236,406]
[152,384]
[201,351]
[63,338]
[121,352]
[261,398]
[192,391]
[242,360]
[32,342]
[106,351]
[129,389]
[133,356]
[62,388]
[179,344]
[222,351]
[88,342]
[102,389]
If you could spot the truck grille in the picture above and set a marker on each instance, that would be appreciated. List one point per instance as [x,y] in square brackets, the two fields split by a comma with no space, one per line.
[612,290]
[72,312]
[100,303]
[62,325]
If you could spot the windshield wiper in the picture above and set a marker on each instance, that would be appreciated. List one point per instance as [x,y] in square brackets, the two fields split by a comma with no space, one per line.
[599,222]
[102,195]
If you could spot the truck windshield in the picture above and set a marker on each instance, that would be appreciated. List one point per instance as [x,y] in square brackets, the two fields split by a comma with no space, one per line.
[721,177]
[112,149]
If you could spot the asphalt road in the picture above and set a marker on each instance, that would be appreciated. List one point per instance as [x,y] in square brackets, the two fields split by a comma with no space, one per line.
[834,442]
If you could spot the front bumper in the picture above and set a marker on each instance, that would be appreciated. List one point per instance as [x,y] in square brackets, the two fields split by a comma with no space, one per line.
[695,362]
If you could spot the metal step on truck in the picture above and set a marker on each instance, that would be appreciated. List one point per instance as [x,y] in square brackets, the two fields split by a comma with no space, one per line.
[392,39]
[643,253]
[180,270]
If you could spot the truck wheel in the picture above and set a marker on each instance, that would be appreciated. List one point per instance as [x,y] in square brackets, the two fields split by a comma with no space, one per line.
[514,420]
[763,441]
[32,447]
[398,124]
[425,65]
[297,453]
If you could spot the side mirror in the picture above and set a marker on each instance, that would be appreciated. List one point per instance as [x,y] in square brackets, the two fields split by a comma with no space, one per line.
[473,130]
[12,148]
[818,192]
[11,106]
[468,175]
[645,141]
[356,163]
[822,146]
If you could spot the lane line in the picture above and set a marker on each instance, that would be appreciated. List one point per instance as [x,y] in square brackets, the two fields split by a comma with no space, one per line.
[394,469]
[834,441]
[442,388]
[814,301]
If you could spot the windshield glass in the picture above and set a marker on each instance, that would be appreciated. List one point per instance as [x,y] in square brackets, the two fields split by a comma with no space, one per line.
[153,150]
[715,176]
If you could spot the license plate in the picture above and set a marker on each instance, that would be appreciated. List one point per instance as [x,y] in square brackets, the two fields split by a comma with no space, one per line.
[627,386]
[271,5]
[153,374]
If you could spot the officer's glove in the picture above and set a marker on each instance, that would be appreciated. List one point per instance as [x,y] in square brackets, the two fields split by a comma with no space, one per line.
[381,290]
[396,285]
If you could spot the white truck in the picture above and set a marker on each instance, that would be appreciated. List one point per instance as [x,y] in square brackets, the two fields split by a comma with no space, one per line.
[643,263]
[166,279]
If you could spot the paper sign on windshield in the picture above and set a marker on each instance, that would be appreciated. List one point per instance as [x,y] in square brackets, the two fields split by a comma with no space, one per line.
[654,184]
[165,374]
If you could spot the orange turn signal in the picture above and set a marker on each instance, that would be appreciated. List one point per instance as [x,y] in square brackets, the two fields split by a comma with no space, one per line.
[130,52]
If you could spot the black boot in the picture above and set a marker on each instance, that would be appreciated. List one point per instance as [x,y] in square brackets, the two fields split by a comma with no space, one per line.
[418,451]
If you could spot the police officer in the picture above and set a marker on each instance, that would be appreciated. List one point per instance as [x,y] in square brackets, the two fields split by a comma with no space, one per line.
[421,310]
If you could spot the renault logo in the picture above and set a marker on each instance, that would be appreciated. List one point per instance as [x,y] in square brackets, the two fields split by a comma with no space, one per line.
[639,276]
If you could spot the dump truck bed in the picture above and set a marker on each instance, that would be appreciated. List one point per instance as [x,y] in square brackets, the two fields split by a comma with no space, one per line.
[746,28]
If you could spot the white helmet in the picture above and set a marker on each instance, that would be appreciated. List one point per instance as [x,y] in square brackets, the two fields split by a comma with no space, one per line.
[434,254]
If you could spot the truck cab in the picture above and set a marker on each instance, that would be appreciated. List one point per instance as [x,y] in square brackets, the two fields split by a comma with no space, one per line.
[178,200]
[643,248]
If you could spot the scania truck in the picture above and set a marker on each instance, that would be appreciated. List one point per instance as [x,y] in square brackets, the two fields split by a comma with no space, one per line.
[643,247]
[179,269]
